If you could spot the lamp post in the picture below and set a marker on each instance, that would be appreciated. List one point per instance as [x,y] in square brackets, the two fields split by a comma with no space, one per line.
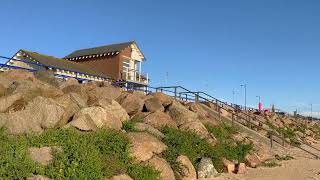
[245,95]
[311,111]
[233,93]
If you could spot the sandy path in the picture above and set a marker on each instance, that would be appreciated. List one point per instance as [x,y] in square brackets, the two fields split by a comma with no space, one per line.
[297,169]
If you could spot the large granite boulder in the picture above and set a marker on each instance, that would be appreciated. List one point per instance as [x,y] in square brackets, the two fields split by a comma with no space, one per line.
[206,169]
[108,92]
[144,146]
[197,127]
[111,107]
[131,103]
[164,99]
[187,171]
[161,165]
[153,104]
[91,118]
[180,114]
[159,120]
[41,113]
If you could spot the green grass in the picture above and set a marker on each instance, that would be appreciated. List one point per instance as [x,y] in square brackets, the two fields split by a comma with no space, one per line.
[93,155]
[222,132]
[191,145]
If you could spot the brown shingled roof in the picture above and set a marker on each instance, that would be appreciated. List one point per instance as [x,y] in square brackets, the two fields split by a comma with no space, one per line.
[99,50]
[64,64]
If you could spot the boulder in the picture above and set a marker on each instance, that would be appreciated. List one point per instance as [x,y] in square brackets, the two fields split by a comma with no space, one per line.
[206,169]
[112,107]
[5,82]
[78,89]
[144,146]
[241,168]
[197,127]
[17,75]
[161,165]
[153,105]
[37,177]
[148,128]
[47,77]
[71,104]
[187,170]
[69,82]
[180,114]
[196,107]
[131,103]
[43,155]
[121,177]
[252,160]
[164,99]
[7,101]
[108,92]
[140,94]
[140,116]
[228,166]
[91,118]
[41,113]
[159,120]
[3,90]
[31,89]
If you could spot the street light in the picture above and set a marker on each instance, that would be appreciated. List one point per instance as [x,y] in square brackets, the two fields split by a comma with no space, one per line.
[245,95]
[311,110]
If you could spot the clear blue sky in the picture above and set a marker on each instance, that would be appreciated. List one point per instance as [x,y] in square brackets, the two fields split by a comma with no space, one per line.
[271,45]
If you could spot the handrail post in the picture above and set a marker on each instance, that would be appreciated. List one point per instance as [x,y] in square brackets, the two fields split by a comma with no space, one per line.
[219,111]
[175,92]
[217,107]
[186,97]
[197,97]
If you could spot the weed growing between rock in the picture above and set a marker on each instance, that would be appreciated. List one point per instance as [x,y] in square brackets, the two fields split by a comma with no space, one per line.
[191,145]
[93,155]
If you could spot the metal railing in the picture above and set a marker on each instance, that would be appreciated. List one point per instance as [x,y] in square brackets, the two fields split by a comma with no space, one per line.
[242,117]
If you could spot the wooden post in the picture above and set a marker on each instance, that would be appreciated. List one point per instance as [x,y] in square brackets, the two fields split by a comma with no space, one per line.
[186,97]
[175,92]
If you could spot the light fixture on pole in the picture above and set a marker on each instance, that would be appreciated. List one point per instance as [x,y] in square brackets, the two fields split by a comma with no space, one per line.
[245,95]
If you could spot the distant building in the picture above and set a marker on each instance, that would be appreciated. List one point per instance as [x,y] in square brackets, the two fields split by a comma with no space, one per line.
[119,63]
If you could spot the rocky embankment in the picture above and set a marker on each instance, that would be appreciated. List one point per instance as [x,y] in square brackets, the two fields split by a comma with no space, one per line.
[34,104]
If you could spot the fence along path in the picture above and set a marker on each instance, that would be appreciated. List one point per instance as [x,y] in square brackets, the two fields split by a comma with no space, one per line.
[242,117]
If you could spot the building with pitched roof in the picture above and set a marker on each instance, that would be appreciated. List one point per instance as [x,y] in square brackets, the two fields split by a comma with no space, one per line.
[120,63]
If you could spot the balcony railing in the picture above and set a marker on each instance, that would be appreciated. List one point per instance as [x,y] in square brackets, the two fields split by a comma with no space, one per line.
[135,76]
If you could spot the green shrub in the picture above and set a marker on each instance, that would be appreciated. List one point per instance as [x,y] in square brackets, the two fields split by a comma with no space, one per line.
[14,162]
[223,132]
[92,155]
[139,172]
[191,145]
[128,126]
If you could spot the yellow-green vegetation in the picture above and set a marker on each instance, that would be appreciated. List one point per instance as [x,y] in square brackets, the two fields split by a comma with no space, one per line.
[92,155]
[274,162]
[191,145]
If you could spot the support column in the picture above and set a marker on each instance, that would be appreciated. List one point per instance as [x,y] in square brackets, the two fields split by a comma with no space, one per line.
[139,70]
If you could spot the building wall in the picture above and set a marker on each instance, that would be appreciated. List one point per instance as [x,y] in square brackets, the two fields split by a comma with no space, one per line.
[108,65]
